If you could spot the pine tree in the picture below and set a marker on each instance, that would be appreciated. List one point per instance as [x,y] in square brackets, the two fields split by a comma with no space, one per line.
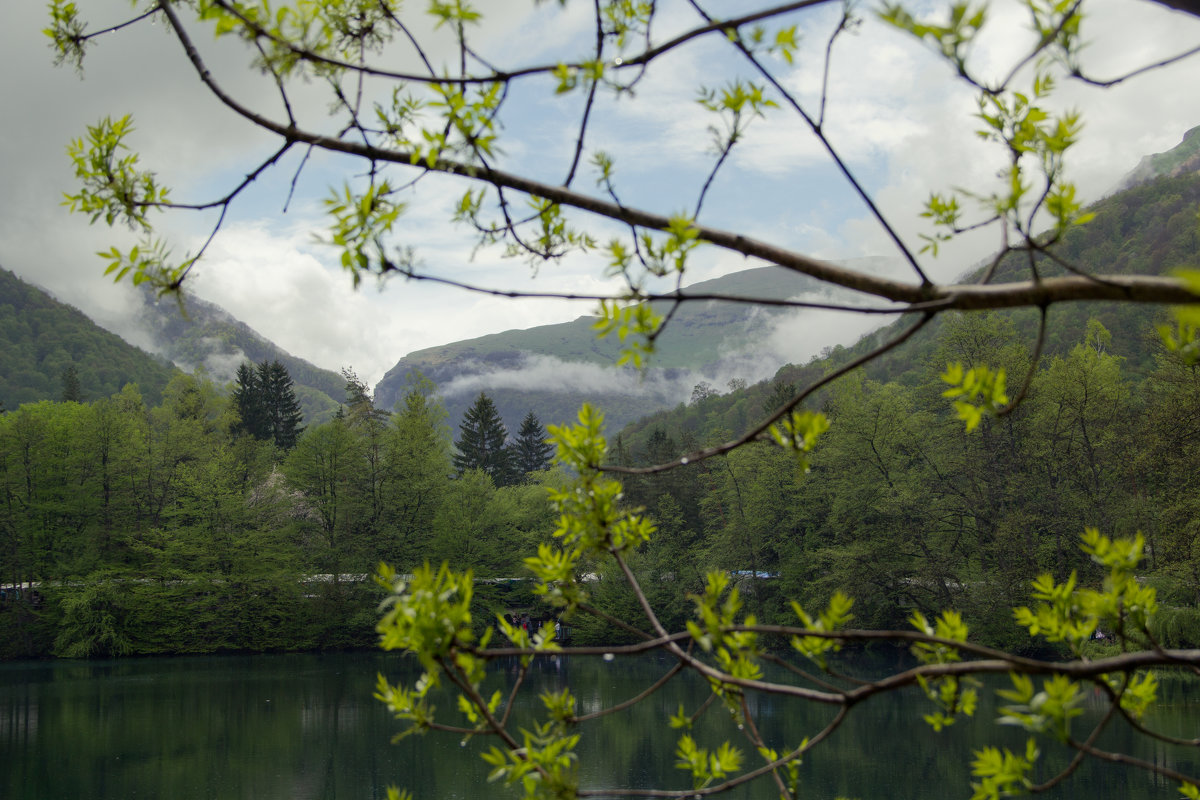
[266,403]
[282,407]
[247,398]
[531,451]
[482,442]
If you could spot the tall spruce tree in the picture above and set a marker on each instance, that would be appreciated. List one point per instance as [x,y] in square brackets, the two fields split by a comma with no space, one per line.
[266,402]
[247,399]
[482,443]
[531,451]
[283,409]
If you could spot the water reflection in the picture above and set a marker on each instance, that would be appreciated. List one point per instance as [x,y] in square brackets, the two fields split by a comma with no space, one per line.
[307,727]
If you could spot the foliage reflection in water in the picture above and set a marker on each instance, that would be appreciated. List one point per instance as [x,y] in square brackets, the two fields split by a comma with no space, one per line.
[307,727]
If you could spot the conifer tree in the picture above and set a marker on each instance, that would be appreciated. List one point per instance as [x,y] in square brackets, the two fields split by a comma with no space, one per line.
[283,409]
[266,403]
[531,451]
[482,443]
[247,398]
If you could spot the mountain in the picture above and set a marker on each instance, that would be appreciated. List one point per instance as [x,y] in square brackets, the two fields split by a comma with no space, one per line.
[201,334]
[1150,228]
[40,338]
[552,369]
[1181,159]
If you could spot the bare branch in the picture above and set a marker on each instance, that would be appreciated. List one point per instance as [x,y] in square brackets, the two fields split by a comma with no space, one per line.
[1166,62]
[633,701]
[1138,289]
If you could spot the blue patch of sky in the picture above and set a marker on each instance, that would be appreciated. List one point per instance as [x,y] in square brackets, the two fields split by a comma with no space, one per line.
[655,170]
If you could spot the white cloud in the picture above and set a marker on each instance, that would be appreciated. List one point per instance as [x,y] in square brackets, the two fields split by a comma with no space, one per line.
[290,290]
[897,114]
[553,374]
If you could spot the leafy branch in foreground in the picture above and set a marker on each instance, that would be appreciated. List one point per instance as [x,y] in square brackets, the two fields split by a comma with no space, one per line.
[447,117]
[429,616]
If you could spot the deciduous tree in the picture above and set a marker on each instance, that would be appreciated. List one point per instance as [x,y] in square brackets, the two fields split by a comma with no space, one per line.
[419,455]
[448,116]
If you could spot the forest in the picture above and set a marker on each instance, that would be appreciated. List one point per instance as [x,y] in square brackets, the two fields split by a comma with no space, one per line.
[181,528]
[209,522]
[212,520]
[904,512]
[185,528]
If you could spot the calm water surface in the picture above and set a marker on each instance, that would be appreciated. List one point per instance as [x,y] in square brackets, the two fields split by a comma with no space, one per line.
[306,726]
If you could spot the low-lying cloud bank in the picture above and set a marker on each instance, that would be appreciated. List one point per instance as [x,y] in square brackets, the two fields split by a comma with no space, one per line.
[785,339]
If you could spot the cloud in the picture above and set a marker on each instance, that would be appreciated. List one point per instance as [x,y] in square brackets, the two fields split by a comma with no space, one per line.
[903,123]
[222,367]
[289,288]
[552,374]
[774,340]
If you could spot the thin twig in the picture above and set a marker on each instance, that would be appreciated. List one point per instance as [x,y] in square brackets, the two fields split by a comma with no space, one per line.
[1104,84]
[675,669]
[1077,760]
[1033,366]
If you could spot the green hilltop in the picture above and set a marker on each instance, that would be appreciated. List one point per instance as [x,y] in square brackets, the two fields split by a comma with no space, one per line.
[552,369]
[1152,227]
[40,338]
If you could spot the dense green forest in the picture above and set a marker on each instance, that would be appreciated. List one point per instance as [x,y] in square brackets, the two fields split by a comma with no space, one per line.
[903,511]
[173,526]
[172,529]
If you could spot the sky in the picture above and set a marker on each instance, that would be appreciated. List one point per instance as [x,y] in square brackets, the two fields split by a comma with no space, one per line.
[895,113]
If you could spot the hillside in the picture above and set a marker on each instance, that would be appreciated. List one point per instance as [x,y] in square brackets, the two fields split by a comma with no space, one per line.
[41,337]
[204,335]
[1183,158]
[552,369]
[1149,228]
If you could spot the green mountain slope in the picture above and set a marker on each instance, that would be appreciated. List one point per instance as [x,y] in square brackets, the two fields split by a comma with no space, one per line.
[41,337]
[1183,158]
[552,369]
[1151,228]
[205,335]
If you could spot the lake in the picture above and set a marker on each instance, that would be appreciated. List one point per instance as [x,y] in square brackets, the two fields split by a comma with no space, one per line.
[306,727]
